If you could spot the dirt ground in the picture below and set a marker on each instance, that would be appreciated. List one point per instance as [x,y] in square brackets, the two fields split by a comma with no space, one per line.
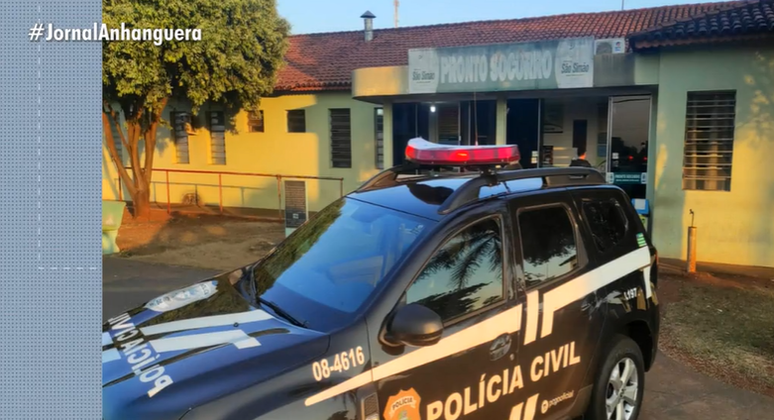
[198,240]
[721,325]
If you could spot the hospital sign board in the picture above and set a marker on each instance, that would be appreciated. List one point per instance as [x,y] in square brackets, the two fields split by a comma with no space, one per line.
[555,64]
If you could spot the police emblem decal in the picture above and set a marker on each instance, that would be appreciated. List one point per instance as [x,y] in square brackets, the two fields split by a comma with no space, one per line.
[403,406]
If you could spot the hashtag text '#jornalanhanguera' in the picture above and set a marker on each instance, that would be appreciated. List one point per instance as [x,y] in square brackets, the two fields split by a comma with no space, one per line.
[101,32]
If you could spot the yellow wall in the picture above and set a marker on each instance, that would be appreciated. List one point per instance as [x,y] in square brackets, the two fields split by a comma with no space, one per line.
[378,81]
[735,227]
[275,151]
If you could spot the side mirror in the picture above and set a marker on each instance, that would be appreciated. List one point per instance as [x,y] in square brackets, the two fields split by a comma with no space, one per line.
[415,325]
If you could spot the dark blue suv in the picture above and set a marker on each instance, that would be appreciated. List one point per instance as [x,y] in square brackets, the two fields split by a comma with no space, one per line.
[452,287]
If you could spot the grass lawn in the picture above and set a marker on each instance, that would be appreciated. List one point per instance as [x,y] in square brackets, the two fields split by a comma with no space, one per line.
[722,326]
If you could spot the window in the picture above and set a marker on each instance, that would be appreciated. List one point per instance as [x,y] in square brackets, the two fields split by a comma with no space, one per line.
[709,141]
[607,222]
[320,278]
[117,138]
[379,128]
[255,121]
[296,121]
[182,124]
[449,124]
[341,138]
[217,125]
[465,275]
[547,243]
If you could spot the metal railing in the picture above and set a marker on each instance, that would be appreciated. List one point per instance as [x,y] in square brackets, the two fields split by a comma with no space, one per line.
[278,177]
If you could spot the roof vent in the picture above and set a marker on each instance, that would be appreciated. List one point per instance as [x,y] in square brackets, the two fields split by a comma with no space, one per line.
[368,18]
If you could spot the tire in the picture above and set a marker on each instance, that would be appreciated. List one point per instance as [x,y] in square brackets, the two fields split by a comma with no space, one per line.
[622,351]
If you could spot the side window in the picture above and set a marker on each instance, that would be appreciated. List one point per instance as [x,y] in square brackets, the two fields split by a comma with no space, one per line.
[607,222]
[464,275]
[548,244]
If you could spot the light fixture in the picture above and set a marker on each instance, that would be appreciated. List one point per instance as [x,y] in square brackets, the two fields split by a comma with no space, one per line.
[432,108]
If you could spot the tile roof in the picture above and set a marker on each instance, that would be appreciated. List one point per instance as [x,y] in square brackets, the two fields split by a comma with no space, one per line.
[746,20]
[325,61]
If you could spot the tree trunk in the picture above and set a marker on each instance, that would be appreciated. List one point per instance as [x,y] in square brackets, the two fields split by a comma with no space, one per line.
[128,182]
[139,183]
[141,204]
[141,197]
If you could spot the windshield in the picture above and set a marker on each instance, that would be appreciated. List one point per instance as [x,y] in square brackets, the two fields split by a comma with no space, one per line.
[323,272]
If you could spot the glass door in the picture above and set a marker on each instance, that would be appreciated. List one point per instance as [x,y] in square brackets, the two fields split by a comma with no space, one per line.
[523,128]
[627,143]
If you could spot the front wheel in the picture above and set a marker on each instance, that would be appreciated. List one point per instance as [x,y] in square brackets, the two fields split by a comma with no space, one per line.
[620,383]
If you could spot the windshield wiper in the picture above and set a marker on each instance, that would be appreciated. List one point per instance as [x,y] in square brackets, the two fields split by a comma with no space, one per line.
[281,312]
[273,306]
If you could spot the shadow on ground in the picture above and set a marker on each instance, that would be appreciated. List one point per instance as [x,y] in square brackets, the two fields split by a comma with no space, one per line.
[673,390]
[198,240]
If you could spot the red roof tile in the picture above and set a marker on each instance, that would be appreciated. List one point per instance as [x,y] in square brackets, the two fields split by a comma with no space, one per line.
[325,61]
[748,19]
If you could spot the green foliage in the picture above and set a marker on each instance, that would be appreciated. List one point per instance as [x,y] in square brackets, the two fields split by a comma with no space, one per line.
[235,63]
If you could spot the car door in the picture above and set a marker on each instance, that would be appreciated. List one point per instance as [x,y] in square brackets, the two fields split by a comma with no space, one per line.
[615,237]
[561,312]
[468,374]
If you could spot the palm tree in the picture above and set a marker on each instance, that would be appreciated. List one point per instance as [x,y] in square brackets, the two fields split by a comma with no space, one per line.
[466,253]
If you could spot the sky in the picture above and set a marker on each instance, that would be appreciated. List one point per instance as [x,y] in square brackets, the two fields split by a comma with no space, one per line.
[312,16]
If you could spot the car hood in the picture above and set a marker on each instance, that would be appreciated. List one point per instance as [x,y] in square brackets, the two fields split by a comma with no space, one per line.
[192,345]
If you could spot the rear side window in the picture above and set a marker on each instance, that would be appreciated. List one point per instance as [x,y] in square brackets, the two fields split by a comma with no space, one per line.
[464,275]
[548,244]
[607,222]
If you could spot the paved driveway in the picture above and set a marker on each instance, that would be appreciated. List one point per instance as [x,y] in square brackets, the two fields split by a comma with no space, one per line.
[674,391]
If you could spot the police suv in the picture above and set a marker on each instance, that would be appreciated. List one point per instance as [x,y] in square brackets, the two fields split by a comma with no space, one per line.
[448,288]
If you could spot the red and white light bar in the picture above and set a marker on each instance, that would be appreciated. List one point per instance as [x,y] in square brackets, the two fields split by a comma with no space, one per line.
[424,152]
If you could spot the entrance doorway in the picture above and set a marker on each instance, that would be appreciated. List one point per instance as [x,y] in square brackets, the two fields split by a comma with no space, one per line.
[523,129]
[627,143]
[409,120]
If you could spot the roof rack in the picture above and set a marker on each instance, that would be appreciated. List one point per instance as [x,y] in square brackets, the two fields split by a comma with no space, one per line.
[469,191]
[552,178]
[389,177]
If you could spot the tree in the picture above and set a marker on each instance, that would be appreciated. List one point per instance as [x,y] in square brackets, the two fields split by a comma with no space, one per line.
[234,64]
[462,256]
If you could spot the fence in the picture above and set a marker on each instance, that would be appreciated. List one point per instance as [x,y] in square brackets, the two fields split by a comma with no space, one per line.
[220,175]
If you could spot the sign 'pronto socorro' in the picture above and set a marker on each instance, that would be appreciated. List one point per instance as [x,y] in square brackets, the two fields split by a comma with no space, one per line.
[557,64]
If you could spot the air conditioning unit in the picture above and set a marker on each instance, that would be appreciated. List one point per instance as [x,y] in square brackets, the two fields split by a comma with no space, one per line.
[609,46]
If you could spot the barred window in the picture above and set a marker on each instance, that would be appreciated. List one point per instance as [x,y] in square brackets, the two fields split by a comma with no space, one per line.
[379,145]
[255,121]
[181,123]
[449,124]
[217,124]
[341,138]
[297,121]
[709,141]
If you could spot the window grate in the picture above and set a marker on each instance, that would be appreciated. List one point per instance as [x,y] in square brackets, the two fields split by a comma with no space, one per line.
[379,145]
[181,121]
[217,125]
[709,140]
[341,138]
[297,121]
[449,124]
[255,121]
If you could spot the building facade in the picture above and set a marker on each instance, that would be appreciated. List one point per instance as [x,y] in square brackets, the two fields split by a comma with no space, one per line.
[675,104]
